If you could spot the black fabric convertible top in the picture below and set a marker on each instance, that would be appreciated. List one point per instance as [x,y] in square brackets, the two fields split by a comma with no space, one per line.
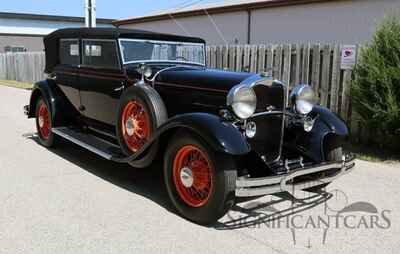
[51,41]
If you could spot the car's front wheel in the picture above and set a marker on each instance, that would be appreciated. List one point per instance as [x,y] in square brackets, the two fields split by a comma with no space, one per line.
[200,182]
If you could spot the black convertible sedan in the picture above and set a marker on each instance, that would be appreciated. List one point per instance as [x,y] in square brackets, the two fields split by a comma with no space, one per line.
[131,96]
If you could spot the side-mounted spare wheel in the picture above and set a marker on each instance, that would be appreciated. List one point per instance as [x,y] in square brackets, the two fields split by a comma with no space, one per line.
[141,111]
[200,182]
[44,123]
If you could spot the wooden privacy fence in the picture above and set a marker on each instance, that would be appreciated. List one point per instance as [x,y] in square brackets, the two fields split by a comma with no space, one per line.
[25,66]
[314,64]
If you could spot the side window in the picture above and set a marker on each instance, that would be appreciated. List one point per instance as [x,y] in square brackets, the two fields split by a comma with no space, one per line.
[69,51]
[101,54]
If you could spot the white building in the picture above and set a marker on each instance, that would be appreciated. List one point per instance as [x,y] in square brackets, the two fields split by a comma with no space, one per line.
[263,21]
[24,32]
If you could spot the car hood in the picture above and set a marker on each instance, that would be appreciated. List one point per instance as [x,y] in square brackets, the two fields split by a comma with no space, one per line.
[202,78]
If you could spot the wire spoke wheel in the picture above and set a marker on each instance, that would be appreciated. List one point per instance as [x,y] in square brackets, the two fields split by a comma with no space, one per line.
[135,125]
[44,121]
[193,175]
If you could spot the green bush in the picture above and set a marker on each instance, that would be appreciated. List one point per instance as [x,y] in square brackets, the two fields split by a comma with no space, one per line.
[375,87]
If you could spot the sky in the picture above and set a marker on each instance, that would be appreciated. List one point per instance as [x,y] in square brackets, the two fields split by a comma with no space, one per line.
[114,9]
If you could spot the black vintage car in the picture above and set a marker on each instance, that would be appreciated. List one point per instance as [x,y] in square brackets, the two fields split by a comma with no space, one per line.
[131,96]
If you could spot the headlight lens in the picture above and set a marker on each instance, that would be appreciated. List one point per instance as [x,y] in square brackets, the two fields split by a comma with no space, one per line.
[243,101]
[303,99]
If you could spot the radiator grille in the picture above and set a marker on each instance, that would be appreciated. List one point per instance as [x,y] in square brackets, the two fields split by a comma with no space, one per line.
[267,141]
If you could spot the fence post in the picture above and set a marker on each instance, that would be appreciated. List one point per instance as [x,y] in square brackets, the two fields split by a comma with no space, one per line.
[326,64]
[345,109]
[232,57]
[270,58]
[261,59]
[287,62]
[277,72]
[246,58]
[316,65]
[239,58]
[306,64]
[225,57]
[335,85]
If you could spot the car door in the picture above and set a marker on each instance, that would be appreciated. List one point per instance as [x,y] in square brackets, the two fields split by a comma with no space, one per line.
[66,72]
[101,79]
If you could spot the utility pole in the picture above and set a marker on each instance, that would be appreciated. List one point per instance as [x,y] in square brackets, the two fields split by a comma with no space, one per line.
[90,13]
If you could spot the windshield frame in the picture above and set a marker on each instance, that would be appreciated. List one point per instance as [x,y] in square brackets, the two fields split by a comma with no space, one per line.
[203,46]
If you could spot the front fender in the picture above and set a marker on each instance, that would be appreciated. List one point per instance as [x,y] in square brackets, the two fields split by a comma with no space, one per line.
[327,124]
[222,136]
[217,132]
[62,111]
[336,125]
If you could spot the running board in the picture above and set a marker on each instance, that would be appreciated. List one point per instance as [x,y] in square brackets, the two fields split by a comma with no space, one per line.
[90,142]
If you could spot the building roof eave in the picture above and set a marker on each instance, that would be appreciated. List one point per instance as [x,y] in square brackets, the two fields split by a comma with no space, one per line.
[215,10]
[29,16]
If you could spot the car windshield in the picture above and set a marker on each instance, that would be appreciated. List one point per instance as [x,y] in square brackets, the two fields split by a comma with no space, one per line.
[135,51]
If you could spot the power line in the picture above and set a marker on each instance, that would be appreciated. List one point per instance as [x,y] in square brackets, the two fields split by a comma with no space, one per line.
[185,4]
[216,27]
[191,3]
[179,25]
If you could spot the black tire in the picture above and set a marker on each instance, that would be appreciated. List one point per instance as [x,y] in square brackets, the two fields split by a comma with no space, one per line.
[333,153]
[222,194]
[46,140]
[152,104]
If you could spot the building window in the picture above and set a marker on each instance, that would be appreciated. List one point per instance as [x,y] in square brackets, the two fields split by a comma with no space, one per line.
[13,49]
[100,53]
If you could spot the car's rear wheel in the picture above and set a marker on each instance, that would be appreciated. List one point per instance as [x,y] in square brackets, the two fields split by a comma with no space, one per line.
[140,112]
[200,182]
[44,123]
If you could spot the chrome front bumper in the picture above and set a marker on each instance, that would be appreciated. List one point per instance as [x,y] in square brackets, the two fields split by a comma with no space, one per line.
[247,187]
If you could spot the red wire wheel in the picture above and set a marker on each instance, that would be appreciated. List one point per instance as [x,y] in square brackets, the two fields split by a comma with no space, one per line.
[135,125]
[44,121]
[193,175]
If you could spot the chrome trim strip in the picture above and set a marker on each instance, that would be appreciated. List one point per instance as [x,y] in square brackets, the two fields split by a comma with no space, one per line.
[265,113]
[80,143]
[166,42]
[153,80]
[247,187]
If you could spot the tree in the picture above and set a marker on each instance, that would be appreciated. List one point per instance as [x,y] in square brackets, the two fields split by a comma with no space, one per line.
[375,86]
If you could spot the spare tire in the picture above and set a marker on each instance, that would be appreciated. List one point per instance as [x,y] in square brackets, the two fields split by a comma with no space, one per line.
[141,111]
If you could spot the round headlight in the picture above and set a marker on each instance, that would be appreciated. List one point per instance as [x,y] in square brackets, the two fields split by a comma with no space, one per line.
[303,99]
[147,72]
[242,100]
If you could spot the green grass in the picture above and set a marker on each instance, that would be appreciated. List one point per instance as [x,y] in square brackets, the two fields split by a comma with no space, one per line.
[16,84]
[373,153]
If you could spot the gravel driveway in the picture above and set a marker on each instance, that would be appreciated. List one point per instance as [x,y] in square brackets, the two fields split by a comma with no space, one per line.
[68,200]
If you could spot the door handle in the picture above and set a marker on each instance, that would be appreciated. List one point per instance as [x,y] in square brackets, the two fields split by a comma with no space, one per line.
[119,88]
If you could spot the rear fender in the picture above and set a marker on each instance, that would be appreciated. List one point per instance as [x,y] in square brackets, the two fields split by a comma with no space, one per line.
[62,111]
